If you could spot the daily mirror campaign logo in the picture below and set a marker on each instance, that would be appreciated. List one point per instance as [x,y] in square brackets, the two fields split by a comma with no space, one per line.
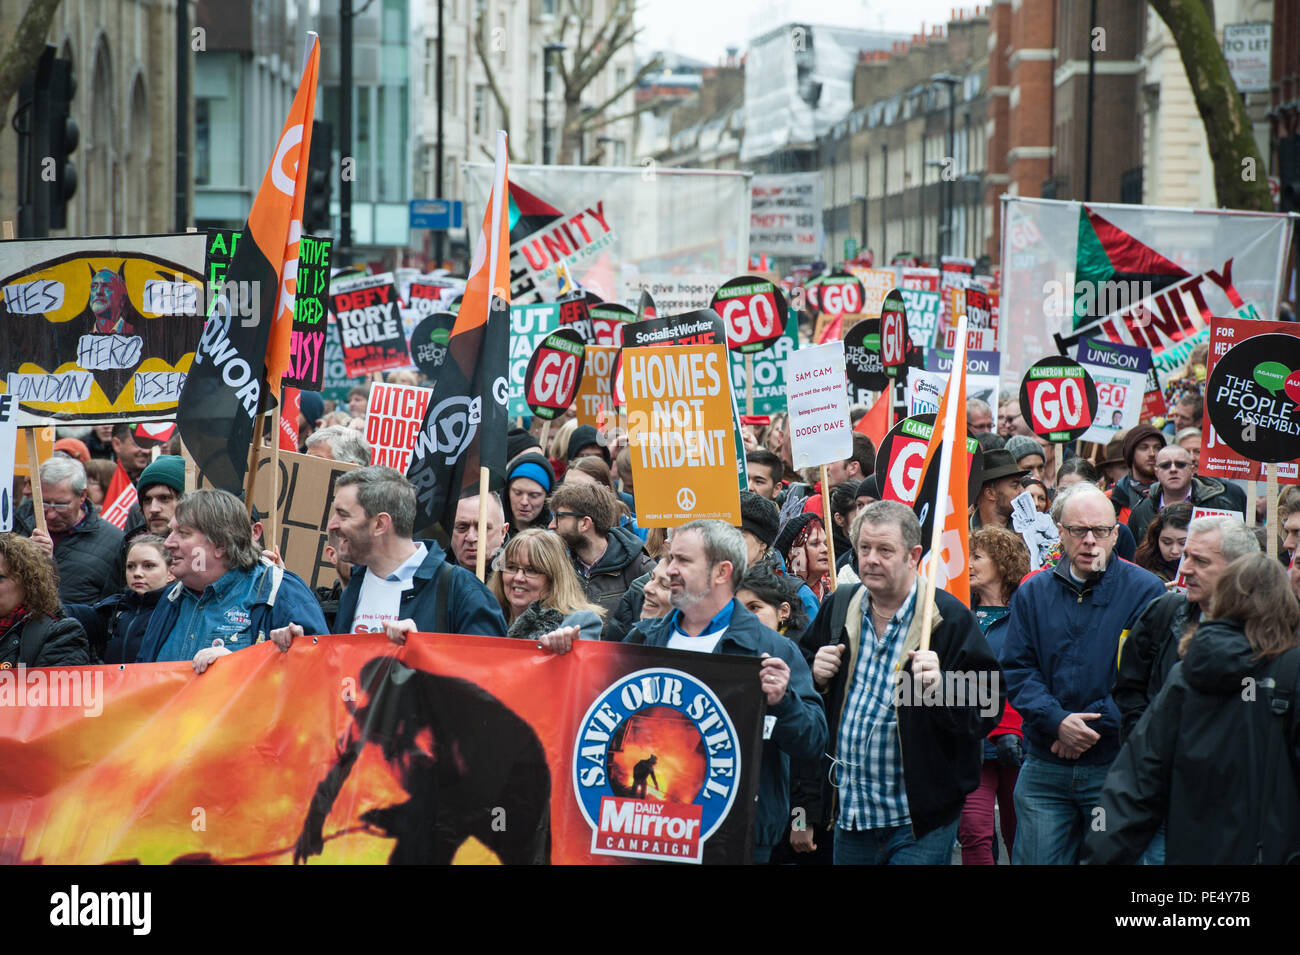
[656,766]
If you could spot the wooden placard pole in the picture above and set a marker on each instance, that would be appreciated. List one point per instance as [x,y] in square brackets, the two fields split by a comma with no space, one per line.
[8,229]
[191,469]
[1251,494]
[34,469]
[546,433]
[250,482]
[480,557]
[1057,452]
[272,536]
[749,385]
[830,527]
[1270,515]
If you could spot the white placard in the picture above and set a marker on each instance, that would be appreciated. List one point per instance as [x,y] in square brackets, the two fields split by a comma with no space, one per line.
[819,405]
[8,439]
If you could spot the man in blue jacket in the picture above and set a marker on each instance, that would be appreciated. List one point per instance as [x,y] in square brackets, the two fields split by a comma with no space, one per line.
[226,597]
[1063,637]
[399,585]
[705,565]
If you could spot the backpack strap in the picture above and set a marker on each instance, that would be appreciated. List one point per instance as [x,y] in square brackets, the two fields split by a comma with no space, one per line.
[441,599]
[1285,670]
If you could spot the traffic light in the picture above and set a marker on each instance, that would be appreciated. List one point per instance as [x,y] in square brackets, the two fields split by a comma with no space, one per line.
[64,137]
[316,204]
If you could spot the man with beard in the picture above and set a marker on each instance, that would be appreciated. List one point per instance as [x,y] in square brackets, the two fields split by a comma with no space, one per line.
[399,585]
[1001,486]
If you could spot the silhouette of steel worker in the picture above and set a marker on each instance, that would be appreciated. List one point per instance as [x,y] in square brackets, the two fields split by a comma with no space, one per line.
[472,766]
[108,301]
[639,773]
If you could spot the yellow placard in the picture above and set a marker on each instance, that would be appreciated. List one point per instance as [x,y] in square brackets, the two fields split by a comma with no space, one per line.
[594,389]
[681,434]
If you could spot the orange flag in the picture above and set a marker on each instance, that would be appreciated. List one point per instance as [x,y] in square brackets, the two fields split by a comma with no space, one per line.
[948,449]
[875,424]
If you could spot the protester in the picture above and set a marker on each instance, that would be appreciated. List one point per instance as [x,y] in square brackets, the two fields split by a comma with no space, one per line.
[100,442]
[529,479]
[760,523]
[585,441]
[999,560]
[1141,445]
[1038,491]
[336,443]
[311,408]
[1189,438]
[1075,470]
[1291,528]
[99,474]
[856,466]
[844,507]
[990,441]
[74,449]
[34,630]
[330,597]
[1010,421]
[1185,413]
[868,492]
[979,417]
[116,626]
[1162,548]
[607,557]
[802,546]
[765,471]
[1112,466]
[902,771]
[225,597]
[464,532]
[1293,573]
[1218,772]
[359,400]
[161,486]
[657,593]
[86,548]
[1059,660]
[130,456]
[1175,483]
[705,568]
[1001,486]
[1028,454]
[773,600]
[557,453]
[539,592]
[590,469]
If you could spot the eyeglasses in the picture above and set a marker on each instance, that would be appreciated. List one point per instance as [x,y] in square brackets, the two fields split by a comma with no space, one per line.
[1008,417]
[60,505]
[530,573]
[1080,531]
[559,514]
[1166,465]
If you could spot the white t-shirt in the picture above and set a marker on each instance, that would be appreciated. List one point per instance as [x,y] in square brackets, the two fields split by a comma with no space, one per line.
[381,597]
[704,644]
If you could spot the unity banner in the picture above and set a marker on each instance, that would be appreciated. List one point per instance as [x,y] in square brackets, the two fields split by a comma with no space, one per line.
[609,225]
[1137,275]
[347,749]
[100,330]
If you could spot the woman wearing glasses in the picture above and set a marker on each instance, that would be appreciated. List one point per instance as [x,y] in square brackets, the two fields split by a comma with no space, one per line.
[1175,483]
[539,590]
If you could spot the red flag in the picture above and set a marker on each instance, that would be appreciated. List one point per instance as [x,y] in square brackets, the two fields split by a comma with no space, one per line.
[833,331]
[948,449]
[289,420]
[875,424]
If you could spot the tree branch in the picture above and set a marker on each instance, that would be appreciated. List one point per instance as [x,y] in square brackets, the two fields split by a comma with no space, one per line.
[1227,127]
[631,84]
[592,67]
[25,49]
[640,108]
[481,48]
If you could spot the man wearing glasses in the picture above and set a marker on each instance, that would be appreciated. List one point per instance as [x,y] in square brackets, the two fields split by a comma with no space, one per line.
[1066,626]
[1010,421]
[1175,483]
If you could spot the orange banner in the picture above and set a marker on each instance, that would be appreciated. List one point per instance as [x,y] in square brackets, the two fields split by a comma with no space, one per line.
[348,749]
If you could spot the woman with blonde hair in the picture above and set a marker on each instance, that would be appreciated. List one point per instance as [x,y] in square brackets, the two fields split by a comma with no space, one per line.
[539,590]
[1215,756]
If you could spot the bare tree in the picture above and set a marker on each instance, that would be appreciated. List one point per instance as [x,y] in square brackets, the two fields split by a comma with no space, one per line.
[25,49]
[1239,178]
[587,55]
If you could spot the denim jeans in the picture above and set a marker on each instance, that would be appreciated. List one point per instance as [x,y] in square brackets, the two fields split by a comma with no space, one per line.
[894,846]
[1054,810]
[1155,854]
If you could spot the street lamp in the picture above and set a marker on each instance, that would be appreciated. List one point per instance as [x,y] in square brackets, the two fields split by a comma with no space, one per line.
[546,98]
[950,81]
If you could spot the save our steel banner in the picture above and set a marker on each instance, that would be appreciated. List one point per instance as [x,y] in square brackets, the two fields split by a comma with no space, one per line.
[347,749]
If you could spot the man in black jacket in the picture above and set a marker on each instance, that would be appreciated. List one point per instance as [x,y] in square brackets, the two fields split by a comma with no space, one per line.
[1175,484]
[906,724]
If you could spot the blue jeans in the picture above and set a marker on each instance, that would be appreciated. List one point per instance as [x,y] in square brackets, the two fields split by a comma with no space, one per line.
[1054,810]
[1155,854]
[894,846]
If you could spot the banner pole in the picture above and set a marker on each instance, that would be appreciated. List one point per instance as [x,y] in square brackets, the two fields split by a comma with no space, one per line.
[34,469]
[546,433]
[749,386]
[1270,515]
[272,536]
[1058,451]
[191,469]
[480,558]
[830,536]
[1251,493]
[250,482]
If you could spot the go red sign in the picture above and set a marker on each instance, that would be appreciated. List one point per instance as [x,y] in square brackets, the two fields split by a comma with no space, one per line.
[893,331]
[839,294]
[753,311]
[1059,398]
[554,373]
[902,453]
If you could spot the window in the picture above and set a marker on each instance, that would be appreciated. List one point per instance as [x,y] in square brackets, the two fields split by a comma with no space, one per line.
[480,109]
[218,127]
[430,65]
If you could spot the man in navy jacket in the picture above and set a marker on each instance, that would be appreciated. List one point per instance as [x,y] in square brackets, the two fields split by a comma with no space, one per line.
[1063,637]
[399,585]
[705,565]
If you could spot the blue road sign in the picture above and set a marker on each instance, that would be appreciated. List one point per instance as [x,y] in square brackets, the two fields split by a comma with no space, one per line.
[436,214]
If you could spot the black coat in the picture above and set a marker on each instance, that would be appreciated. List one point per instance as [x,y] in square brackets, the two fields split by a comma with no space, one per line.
[1206,492]
[115,627]
[942,746]
[1148,656]
[41,641]
[1210,759]
[89,557]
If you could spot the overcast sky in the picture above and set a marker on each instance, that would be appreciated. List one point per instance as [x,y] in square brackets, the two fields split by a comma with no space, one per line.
[705,28]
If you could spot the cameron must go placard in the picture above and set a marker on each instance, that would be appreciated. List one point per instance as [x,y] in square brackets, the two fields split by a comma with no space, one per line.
[680,433]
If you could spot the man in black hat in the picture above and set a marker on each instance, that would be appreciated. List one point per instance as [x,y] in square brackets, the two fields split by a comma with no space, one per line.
[1001,485]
